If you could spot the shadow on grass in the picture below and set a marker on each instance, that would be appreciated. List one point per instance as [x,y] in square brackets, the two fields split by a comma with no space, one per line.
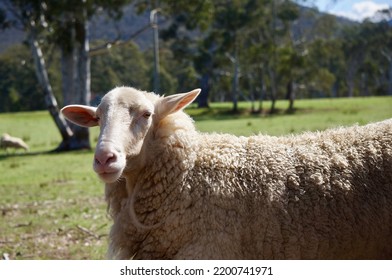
[14,154]
[227,114]
[7,155]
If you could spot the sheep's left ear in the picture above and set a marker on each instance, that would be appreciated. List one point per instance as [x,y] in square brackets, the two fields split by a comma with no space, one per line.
[176,102]
[81,115]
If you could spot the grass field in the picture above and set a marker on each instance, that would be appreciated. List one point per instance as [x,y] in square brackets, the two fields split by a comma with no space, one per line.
[316,114]
[52,205]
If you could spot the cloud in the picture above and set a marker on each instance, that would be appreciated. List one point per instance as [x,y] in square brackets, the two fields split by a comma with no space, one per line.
[362,10]
[368,8]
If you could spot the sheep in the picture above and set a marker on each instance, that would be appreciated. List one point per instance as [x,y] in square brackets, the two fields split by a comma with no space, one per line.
[176,193]
[7,141]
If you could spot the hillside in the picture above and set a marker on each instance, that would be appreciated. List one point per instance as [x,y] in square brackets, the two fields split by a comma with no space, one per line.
[102,27]
[107,29]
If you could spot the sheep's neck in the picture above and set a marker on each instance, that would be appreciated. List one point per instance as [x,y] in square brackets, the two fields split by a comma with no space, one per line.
[131,179]
[159,183]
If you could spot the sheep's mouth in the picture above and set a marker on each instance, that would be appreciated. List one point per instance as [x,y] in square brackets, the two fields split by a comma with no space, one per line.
[109,176]
[110,170]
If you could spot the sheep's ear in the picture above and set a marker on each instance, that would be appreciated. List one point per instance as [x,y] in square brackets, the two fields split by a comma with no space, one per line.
[176,102]
[81,115]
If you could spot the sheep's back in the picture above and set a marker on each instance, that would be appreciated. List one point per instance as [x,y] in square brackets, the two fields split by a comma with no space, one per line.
[314,195]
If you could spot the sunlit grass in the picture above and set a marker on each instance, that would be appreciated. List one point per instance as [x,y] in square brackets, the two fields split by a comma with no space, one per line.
[316,114]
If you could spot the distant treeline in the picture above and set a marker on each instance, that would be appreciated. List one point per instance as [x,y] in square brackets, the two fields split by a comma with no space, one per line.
[244,51]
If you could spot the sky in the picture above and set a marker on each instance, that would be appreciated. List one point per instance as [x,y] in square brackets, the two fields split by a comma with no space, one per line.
[353,9]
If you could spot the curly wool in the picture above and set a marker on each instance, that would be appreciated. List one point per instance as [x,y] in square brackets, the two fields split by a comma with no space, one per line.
[323,195]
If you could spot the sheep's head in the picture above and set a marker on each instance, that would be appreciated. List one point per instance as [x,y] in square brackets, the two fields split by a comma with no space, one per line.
[125,117]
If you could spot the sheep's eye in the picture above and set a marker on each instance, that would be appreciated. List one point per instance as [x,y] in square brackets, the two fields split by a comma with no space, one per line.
[147,115]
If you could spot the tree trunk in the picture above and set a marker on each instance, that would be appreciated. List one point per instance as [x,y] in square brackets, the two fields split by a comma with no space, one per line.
[350,84]
[262,90]
[273,90]
[235,81]
[364,85]
[353,63]
[202,100]
[50,100]
[350,76]
[76,81]
[68,74]
[273,62]
[290,96]
[252,93]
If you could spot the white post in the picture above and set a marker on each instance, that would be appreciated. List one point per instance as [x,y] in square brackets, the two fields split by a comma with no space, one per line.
[154,25]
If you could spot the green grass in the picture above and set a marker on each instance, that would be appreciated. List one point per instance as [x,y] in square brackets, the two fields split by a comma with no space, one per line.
[52,205]
[46,202]
[316,114]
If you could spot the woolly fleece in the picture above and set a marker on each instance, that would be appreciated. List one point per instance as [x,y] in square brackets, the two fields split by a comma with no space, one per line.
[323,195]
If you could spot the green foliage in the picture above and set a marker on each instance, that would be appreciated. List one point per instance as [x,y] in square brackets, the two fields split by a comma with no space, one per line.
[123,65]
[18,85]
[270,43]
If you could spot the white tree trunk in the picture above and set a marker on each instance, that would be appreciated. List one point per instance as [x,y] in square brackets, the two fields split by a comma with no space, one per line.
[42,75]
[76,79]
[68,74]
[235,80]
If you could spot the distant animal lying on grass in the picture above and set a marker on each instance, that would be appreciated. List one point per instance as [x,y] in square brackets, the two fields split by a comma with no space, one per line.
[175,193]
[7,141]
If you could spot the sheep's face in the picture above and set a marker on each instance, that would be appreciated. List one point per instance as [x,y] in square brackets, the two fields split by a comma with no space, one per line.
[125,116]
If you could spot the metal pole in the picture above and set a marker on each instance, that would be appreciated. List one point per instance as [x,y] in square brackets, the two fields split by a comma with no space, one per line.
[154,25]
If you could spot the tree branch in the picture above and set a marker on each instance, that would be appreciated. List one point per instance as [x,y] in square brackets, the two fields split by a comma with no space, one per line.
[105,47]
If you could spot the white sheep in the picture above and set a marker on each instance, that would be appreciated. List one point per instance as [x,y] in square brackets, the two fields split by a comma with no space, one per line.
[175,193]
[7,141]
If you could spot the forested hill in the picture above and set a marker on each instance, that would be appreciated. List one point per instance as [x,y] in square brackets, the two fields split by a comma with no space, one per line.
[102,27]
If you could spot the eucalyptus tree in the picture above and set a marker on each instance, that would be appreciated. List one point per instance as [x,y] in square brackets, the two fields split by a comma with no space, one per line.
[367,49]
[65,24]
[380,50]
[28,15]
[188,23]
[218,41]
[272,50]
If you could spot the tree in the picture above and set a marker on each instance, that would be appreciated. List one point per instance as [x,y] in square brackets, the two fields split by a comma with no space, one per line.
[117,65]
[27,15]
[381,45]
[65,24]
[70,23]
[219,47]
[272,48]
[193,55]
[367,52]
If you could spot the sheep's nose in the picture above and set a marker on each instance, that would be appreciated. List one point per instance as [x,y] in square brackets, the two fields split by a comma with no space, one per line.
[105,158]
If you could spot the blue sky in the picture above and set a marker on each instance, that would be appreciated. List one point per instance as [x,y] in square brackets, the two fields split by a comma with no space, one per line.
[353,9]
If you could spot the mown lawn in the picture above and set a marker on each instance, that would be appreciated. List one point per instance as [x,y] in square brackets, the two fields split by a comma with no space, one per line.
[52,205]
